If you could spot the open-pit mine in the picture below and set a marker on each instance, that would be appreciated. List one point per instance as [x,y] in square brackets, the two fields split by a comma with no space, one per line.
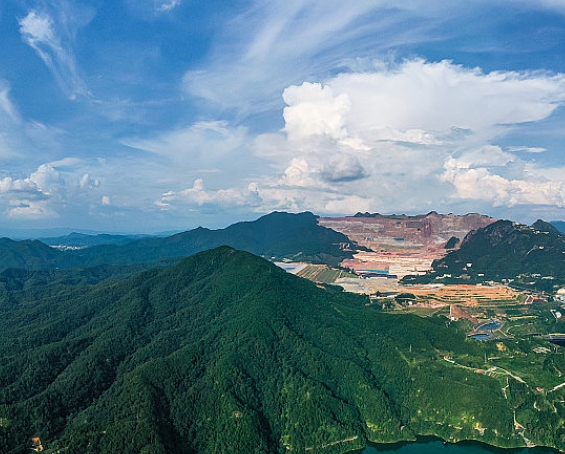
[400,244]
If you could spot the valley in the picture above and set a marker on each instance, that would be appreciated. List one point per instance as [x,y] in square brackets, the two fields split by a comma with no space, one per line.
[149,351]
[282,227]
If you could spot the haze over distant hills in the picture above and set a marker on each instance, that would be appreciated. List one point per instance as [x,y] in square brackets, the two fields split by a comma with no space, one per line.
[76,240]
[277,236]
[559,225]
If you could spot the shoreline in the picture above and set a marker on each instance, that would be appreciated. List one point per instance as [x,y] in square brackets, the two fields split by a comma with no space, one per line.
[425,439]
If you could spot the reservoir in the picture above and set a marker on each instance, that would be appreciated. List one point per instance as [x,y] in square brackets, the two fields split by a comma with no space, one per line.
[435,446]
[492,325]
[481,336]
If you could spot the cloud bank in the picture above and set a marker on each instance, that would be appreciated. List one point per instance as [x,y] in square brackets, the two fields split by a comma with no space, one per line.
[233,111]
[399,137]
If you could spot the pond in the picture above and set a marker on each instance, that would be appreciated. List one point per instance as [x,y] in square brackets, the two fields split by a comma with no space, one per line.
[492,325]
[481,336]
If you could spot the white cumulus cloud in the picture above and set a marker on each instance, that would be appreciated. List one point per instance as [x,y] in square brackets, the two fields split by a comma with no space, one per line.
[408,131]
[394,137]
[312,109]
[49,192]
[198,195]
[481,184]
[33,197]
[435,97]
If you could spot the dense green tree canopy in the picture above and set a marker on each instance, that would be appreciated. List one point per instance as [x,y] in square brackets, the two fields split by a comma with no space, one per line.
[505,250]
[274,236]
[225,352]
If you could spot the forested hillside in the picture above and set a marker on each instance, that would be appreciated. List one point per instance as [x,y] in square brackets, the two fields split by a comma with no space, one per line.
[28,254]
[274,236]
[225,352]
[506,250]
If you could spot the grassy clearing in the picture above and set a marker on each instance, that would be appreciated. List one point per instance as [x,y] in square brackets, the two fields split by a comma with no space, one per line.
[324,274]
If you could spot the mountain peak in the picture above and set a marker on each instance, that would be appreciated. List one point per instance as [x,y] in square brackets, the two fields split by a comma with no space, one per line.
[507,250]
[543,226]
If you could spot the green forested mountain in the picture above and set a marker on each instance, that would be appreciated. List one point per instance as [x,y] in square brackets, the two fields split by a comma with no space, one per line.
[507,250]
[224,352]
[28,254]
[276,235]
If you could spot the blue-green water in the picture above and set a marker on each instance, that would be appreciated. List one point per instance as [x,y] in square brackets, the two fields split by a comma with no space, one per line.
[433,446]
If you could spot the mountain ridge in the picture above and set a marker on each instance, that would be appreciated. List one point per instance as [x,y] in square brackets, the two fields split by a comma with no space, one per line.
[225,352]
[505,251]
[277,235]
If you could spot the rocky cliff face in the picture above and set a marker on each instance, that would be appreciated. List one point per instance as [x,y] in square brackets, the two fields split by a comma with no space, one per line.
[401,232]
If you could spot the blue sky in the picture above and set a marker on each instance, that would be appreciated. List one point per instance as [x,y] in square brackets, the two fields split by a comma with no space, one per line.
[152,115]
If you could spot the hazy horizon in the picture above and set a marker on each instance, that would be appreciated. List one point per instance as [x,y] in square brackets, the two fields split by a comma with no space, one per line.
[43,233]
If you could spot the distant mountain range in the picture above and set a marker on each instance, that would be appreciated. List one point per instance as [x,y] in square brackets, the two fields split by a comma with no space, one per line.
[132,348]
[225,352]
[502,250]
[275,236]
[77,240]
[529,255]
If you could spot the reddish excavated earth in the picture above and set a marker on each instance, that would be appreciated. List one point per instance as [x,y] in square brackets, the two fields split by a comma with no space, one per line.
[403,244]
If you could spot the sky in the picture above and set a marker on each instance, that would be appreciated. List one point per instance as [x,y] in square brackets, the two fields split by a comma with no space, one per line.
[144,116]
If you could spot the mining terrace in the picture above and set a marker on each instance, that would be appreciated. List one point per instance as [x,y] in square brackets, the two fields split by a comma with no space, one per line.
[401,244]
